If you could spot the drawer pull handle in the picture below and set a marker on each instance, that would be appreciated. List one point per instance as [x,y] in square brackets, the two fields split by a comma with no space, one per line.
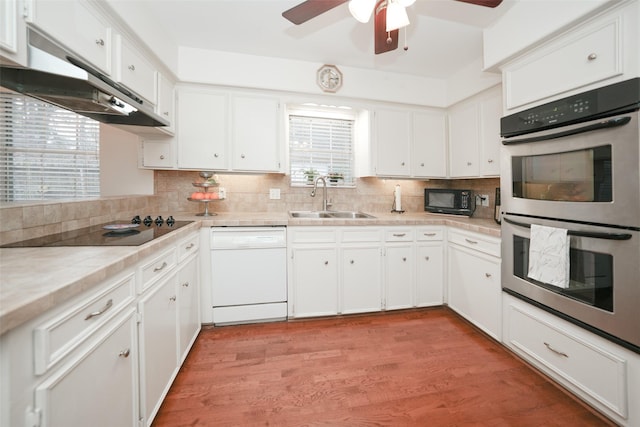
[124,353]
[592,56]
[173,298]
[399,234]
[189,246]
[185,285]
[429,234]
[559,353]
[473,242]
[490,160]
[164,264]
[106,307]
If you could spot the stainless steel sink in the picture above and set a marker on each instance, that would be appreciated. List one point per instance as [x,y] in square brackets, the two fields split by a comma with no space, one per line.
[330,214]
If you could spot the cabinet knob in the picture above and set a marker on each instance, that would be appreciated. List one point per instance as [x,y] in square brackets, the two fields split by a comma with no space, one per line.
[132,67]
[487,275]
[161,156]
[468,163]
[185,285]
[402,164]
[592,56]
[100,42]
[426,258]
[351,262]
[490,160]
[215,155]
[404,258]
[173,298]
[124,353]
[326,263]
[165,113]
[421,164]
[242,156]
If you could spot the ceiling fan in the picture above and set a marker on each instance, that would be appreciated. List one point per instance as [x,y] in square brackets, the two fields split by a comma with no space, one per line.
[389,16]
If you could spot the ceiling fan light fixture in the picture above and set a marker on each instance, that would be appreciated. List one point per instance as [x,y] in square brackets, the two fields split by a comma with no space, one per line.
[396,15]
[361,10]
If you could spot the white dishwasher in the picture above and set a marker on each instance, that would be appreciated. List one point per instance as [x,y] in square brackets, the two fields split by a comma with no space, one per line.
[249,274]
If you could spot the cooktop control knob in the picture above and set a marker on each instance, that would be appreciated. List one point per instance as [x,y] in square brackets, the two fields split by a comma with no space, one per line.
[147,221]
[136,220]
[170,221]
[159,221]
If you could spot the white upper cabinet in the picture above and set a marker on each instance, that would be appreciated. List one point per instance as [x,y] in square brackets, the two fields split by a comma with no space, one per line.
[429,145]
[392,128]
[134,70]
[202,129]
[166,102]
[255,134]
[78,27]
[490,141]
[13,34]
[599,52]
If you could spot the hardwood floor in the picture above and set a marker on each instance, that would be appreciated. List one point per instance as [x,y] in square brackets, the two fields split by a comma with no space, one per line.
[412,368]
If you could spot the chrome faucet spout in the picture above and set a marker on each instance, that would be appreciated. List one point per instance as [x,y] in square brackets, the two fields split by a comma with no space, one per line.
[325,202]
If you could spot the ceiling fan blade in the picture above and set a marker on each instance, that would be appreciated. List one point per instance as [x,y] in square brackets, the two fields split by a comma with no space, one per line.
[310,9]
[381,35]
[487,3]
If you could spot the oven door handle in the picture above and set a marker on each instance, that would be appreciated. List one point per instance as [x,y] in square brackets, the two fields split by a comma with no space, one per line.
[612,123]
[591,234]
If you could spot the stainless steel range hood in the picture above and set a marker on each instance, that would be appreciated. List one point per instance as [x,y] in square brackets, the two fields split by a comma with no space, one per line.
[57,77]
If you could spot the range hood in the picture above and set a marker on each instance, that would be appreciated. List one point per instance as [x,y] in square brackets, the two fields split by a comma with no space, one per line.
[57,77]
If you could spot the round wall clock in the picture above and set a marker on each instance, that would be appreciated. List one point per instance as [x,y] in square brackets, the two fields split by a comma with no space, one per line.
[329,78]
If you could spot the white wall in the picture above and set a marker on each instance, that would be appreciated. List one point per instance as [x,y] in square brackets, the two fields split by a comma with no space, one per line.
[119,173]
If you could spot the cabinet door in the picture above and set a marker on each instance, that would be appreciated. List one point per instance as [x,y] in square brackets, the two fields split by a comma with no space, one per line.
[13,33]
[429,274]
[429,145]
[361,280]
[78,27]
[392,141]
[188,306]
[166,102]
[255,134]
[135,71]
[97,388]
[474,288]
[399,278]
[315,282]
[463,142]
[202,130]
[158,345]
[158,153]
[490,113]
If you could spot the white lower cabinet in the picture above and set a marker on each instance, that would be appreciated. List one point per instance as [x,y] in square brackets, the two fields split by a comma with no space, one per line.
[158,344]
[98,387]
[430,266]
[315,274]
[188,306]
[603,374]
[474,288]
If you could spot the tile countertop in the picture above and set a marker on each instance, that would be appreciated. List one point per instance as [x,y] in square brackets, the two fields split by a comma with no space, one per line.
[33,281]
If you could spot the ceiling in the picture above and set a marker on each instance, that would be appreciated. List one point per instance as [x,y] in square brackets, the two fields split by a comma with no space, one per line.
[444,35]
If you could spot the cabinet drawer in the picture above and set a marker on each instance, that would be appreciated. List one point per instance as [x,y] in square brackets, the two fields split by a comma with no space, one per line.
[313,235]
[399,235]
[156,268]
[475,241]
[587,56]
[135,71]
[361,234]
[188,246]
[58,336]
[429,233]
[597,372]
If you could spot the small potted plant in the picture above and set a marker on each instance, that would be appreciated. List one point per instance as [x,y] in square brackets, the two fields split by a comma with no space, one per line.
[334,177]
[310,174]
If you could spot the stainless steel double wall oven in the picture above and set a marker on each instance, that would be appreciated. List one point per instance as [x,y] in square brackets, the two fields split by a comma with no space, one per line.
[573,164]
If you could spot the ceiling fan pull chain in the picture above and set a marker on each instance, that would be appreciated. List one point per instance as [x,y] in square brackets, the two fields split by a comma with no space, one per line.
[406,45]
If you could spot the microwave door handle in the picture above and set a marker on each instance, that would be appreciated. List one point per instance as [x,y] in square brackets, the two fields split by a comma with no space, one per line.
[612,123]
[591,234]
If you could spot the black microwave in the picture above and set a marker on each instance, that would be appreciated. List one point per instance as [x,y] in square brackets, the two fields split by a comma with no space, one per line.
[456,202]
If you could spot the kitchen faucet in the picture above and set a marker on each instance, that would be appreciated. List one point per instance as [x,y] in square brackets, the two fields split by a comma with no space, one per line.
[325,202]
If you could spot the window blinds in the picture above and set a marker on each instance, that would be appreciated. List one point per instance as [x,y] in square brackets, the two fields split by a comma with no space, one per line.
[46,152]
[324,145]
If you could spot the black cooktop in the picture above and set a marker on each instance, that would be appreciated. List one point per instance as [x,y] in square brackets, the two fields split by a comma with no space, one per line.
[97,235]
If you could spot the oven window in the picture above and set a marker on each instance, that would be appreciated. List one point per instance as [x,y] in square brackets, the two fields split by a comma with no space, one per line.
[575,176]
[590,274]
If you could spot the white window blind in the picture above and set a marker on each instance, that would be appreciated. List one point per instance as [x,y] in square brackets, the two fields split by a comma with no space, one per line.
[323,145]
[46,152]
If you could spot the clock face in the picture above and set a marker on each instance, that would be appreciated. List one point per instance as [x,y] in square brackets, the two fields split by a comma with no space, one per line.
[329,78]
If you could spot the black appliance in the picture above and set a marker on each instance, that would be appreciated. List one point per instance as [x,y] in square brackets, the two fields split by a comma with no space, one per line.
[114,233]
[445,201]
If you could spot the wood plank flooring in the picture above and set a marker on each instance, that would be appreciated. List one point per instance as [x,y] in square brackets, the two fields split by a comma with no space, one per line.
[423,367]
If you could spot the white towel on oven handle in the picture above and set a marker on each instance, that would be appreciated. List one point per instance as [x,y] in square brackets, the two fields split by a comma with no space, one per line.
[549,255]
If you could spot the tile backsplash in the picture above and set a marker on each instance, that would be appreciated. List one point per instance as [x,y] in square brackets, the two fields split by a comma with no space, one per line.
[21,221]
